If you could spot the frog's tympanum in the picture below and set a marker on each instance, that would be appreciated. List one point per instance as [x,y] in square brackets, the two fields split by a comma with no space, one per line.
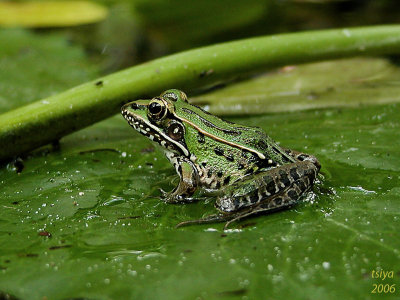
[249,171]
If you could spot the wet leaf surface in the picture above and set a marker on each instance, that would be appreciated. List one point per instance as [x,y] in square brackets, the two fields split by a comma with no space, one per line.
[34,66]
[341,83]
[83,220]
[111,236]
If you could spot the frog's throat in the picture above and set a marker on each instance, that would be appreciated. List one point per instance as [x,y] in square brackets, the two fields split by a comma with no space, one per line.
[260,155]
[153,133]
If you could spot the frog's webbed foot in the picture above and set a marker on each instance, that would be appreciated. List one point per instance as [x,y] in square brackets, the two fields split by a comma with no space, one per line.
[173,198]
[187,184]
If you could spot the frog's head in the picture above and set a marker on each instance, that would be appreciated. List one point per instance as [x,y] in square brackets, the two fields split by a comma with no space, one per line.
[156,120]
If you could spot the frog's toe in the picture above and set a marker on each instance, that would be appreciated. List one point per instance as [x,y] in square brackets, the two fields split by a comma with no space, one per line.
[163,193]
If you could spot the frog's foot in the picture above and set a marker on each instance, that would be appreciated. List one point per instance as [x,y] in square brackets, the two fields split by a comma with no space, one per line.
[267,191]
[175,198]
[187,185]
[209,219]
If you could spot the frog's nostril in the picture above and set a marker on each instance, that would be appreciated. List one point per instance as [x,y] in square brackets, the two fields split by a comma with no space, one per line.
[130,105]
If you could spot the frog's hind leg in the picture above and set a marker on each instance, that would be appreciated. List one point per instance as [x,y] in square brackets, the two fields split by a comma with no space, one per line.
[265,191]
[268,191]
[278,203]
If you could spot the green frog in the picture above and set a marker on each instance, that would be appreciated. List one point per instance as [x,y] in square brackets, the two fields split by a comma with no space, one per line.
[247,170]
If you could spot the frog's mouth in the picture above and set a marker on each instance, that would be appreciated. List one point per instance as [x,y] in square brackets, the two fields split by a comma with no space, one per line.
[153,133]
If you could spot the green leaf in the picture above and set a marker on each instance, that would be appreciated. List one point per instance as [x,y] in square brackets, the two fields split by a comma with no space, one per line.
[34,67]
[84,219]
[348,82]
[112,237]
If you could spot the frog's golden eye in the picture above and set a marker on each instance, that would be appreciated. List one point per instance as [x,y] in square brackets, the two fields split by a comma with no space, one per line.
[175,130]
[157,109]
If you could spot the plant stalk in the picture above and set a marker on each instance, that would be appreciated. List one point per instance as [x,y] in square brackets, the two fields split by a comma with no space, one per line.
[47,120]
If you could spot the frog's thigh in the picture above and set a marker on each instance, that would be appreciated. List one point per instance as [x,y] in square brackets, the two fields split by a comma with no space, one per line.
[187,184]
[268,190]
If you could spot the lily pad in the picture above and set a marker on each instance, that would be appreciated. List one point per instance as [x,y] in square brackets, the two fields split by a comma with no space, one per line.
[340,83]
[33,67]
[84,219]
[88,217]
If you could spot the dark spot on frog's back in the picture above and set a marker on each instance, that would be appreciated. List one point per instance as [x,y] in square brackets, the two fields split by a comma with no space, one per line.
[262,144]
[249,171]
[219,151]
[227,180]
[219,174]
[229,157]
[200,138]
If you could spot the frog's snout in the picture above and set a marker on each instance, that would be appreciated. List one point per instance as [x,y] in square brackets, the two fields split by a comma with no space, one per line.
[128,106]
[135,106]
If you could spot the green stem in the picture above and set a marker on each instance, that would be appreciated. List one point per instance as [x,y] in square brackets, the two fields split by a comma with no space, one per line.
[47,120]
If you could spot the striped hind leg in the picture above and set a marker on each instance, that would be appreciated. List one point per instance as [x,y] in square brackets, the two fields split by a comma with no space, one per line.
[265,191]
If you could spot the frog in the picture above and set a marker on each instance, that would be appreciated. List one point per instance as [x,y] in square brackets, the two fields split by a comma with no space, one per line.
[244,169]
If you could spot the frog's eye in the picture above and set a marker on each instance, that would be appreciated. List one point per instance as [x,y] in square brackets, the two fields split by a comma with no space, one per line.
[157,109]
[175,130]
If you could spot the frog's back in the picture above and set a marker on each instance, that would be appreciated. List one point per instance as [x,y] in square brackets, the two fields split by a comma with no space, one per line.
[249,138]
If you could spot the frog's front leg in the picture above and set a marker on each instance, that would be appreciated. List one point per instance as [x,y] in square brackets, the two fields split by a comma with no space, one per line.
[268,190]
[188,183]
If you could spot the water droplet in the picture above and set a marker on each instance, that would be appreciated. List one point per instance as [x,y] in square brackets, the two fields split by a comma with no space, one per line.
[326,265]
